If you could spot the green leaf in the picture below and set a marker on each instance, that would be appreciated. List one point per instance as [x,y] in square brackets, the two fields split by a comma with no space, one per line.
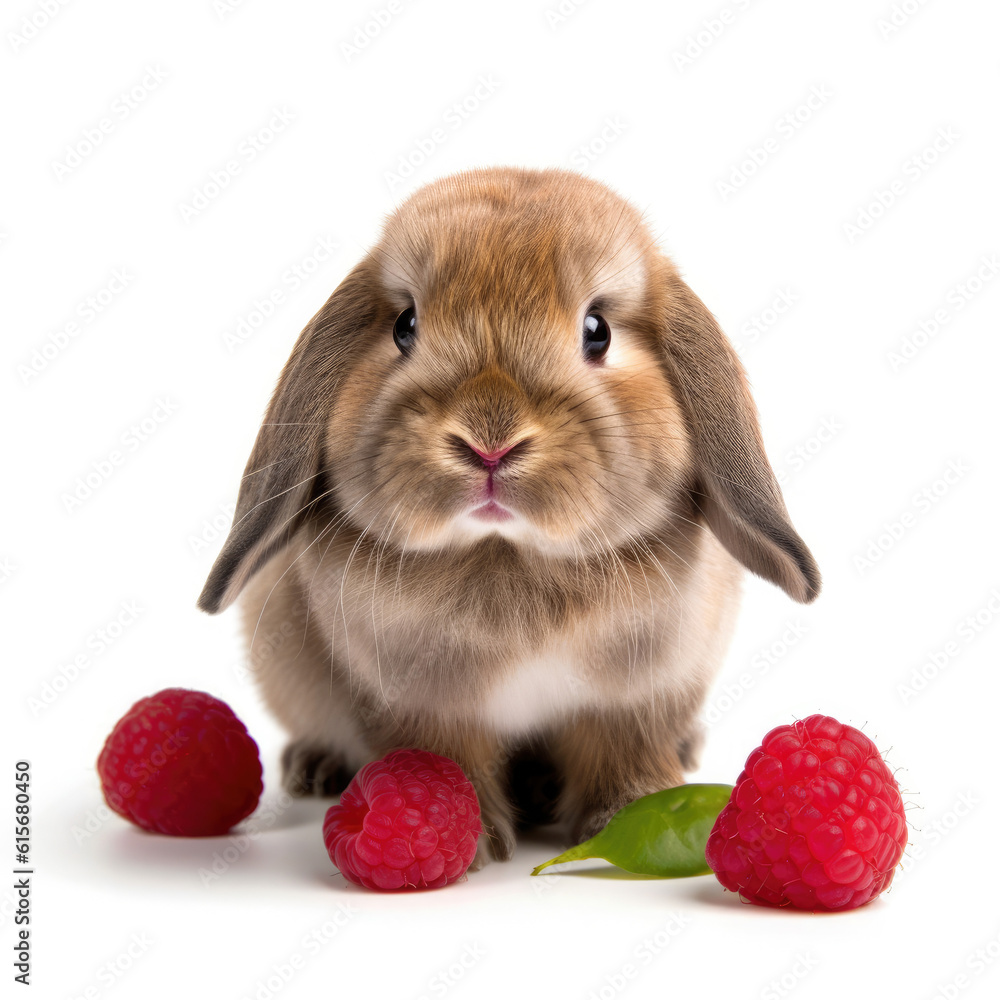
[661,834]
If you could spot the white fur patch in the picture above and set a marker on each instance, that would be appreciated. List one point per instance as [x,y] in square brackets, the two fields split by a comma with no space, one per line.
[539,690]
[471,529]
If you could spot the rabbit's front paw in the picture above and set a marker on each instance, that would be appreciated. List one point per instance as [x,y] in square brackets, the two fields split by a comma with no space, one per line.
[309,768]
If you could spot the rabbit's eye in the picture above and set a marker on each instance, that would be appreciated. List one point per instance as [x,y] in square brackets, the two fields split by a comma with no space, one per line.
[596,335]
[404,330]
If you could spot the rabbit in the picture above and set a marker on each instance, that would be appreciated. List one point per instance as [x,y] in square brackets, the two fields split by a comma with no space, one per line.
[500,507]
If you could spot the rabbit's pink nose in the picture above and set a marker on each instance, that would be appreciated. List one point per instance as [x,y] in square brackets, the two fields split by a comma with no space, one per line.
[490,459]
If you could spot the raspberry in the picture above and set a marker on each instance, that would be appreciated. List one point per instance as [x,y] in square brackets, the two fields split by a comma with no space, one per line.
[179,762]
[815,820]
[407,821]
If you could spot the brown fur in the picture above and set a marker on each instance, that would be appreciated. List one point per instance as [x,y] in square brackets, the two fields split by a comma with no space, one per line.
[598,632]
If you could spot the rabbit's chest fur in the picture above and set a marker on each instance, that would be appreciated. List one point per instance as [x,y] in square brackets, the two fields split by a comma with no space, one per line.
[538,688]
[483,639]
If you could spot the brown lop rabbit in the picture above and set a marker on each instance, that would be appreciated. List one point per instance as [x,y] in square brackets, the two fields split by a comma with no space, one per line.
[499,504]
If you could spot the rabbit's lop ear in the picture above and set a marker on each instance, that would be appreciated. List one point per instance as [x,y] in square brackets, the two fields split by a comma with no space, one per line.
[737,491]
[284,474]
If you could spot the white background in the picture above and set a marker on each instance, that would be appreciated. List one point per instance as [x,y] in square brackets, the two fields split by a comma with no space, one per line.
[868,449]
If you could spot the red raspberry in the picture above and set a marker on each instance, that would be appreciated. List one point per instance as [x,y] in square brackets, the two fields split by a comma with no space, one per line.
[179,762]
[815,820]
[407,821]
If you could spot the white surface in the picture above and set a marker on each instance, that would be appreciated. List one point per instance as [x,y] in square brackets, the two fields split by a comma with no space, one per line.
[856,441]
